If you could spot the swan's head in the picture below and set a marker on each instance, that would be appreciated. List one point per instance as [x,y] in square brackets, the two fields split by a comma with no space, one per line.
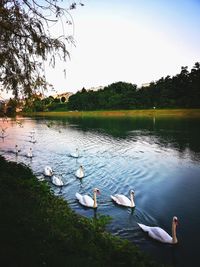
[175,220]
[96,190]
[132,192]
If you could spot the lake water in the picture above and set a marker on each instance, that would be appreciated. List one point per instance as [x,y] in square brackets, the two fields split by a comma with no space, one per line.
[158,158]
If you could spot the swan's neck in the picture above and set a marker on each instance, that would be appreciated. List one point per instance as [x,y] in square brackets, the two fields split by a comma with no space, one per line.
[132,201]
[174,238]
[95,200]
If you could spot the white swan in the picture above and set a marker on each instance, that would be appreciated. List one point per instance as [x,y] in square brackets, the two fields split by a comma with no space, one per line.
[32,132]
[80,172]
[33,140]
[48,171]
[57,180]
[75,154]
[17,150]
[30,153]
[160,234]
[87,201]
[123,200]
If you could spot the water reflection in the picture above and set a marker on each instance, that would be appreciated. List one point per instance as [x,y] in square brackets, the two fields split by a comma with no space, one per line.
[181,134]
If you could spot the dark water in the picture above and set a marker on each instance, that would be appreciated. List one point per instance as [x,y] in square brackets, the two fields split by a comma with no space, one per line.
[158,158]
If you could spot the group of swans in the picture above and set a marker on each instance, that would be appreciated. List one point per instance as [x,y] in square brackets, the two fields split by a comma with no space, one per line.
[32,136]
[57,180]
[29,153]
[80,172]
[120,199]
[54,179]
[154,232]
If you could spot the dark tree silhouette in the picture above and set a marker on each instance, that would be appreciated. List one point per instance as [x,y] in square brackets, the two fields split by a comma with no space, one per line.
[26,42]
[182,90]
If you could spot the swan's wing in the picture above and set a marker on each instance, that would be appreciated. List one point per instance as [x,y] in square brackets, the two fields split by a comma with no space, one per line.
[79,197]
[79,173]
[144,227]
[157,233]
[57,181]
[74,155]
[89,202]
[121,200]
[161,235]
[85,200]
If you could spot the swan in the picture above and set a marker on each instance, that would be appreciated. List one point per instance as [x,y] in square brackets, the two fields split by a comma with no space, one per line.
[123,200]
[80,172]
[75,154]
[17,150]
[87,201]
[160,234]
[57,180]
[30,153]
[48,171]
[32,132]
[33,140]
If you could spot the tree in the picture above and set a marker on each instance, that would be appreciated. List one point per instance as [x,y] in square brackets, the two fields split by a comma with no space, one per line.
[26,42]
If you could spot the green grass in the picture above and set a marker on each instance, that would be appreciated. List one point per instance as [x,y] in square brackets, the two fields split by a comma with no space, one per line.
[39,229]
[185,113]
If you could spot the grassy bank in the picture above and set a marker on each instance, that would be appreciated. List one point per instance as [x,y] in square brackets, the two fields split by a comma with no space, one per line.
[185,113]
[39,229]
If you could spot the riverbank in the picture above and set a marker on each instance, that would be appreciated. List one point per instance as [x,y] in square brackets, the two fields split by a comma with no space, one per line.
[39,229]
[185,113]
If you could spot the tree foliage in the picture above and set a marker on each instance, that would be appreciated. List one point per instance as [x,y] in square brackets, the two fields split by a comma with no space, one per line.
[26,42]
[182,90]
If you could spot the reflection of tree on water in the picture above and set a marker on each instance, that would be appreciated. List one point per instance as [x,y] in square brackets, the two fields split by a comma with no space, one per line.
[181,134]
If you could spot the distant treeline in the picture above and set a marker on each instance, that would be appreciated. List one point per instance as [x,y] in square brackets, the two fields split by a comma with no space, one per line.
[180,91]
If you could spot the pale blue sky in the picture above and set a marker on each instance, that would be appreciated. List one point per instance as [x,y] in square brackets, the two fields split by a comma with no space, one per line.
[135,41]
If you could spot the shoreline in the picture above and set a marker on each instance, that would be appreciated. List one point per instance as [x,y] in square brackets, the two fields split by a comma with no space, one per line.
[172,113]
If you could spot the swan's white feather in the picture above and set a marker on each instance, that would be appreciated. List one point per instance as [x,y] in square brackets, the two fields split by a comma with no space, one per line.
[57,181]
[79,173]
[85,200]
[30,154]
[75,154]
[48,171]
[157,233]
[121,200]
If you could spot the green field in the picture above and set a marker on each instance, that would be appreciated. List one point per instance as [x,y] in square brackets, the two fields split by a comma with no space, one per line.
[187,113]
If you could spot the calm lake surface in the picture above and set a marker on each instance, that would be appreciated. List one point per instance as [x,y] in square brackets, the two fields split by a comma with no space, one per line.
[158,158]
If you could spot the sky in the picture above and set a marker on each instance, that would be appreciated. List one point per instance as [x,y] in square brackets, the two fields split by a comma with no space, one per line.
[135,41]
